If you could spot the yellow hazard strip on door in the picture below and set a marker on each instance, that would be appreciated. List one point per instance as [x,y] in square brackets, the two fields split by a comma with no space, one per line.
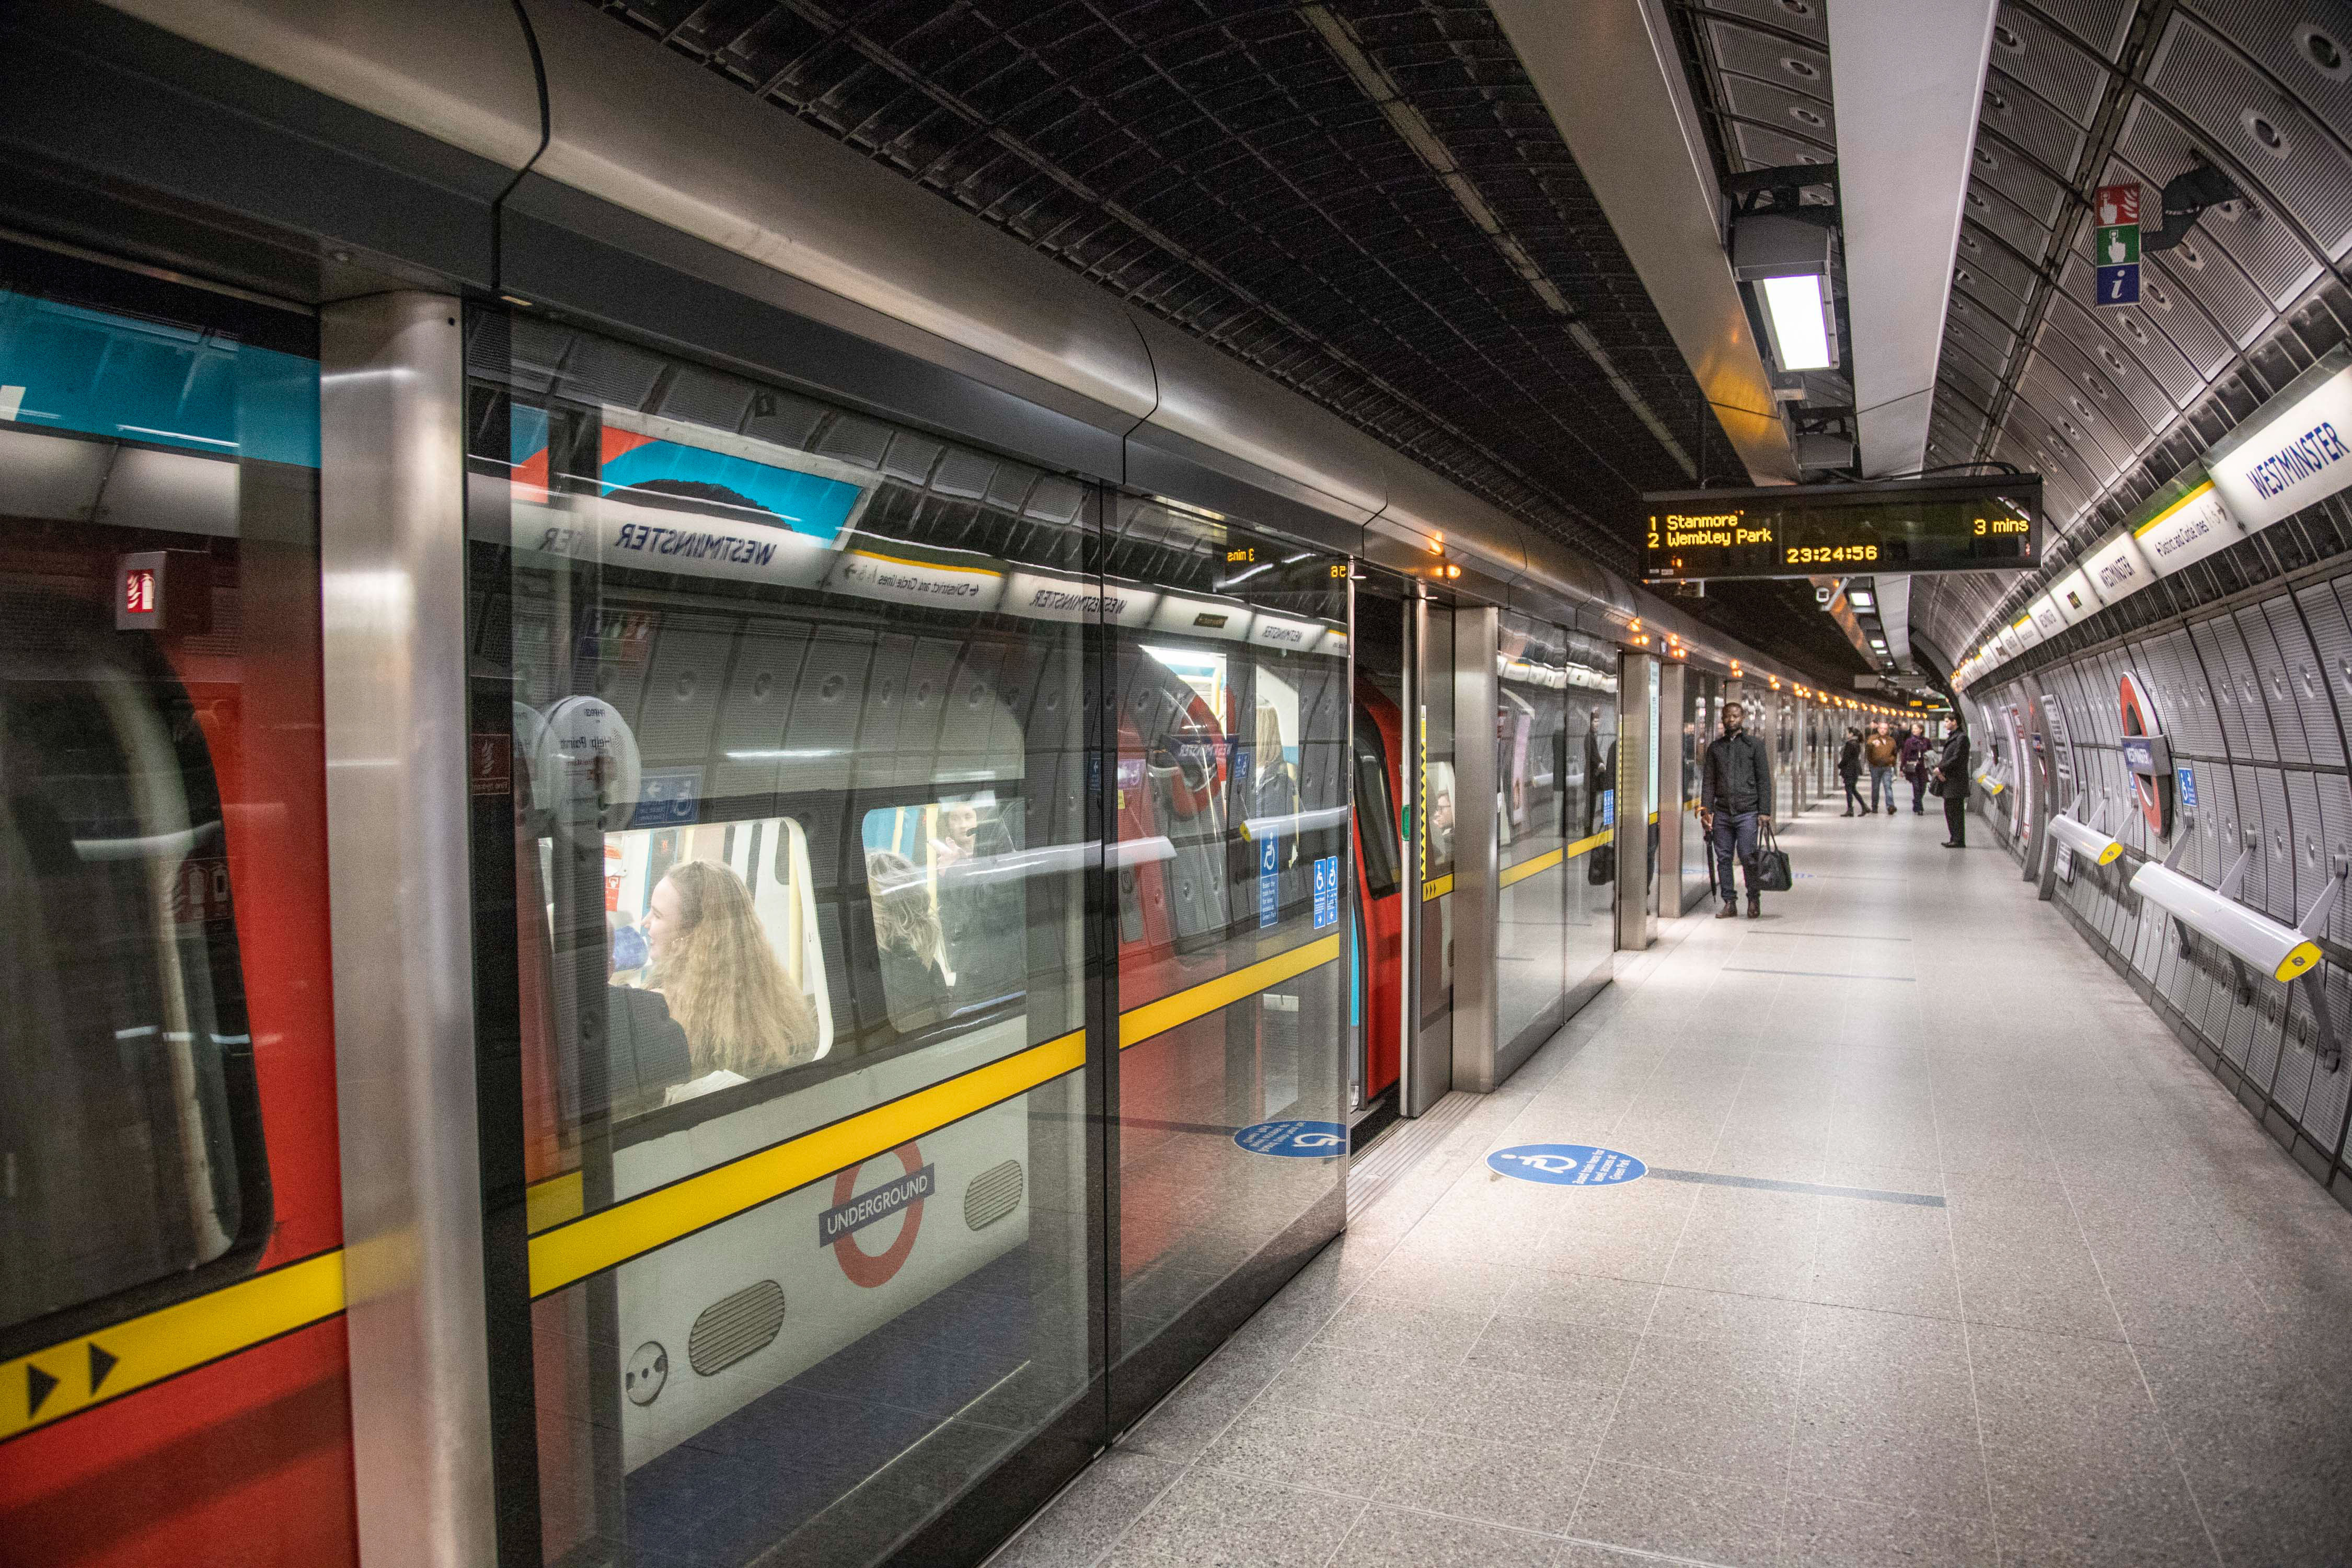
[1436,888]
[1584,845]
[89,1369]
[1140,1024]
[571,1252]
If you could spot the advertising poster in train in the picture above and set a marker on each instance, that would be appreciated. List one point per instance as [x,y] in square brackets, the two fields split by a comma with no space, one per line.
[673,497]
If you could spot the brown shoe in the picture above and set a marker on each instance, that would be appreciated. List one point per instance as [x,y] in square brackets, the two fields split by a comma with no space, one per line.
[1755,908]
[1728,912]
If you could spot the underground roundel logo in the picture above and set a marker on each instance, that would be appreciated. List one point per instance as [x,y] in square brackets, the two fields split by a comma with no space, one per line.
[2155,795]
[853,1211]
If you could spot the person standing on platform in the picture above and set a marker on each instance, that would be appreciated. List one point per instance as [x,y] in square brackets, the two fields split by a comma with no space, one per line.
[1880,751]
[1850,769]
[1952,782]
[1915,750]
[1735,800]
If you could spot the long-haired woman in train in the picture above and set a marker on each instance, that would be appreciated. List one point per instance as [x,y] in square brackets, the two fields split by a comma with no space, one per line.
[906,930]
[712,963]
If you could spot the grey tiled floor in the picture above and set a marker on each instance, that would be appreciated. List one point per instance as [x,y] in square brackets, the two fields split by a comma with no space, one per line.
[2124,1339]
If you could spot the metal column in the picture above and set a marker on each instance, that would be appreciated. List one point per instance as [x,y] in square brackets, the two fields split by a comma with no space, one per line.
[1671,677]
[391,525]
[1637,673]
[1475,630]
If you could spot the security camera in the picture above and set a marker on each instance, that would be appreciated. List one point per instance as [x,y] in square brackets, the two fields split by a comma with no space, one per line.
[1822,596]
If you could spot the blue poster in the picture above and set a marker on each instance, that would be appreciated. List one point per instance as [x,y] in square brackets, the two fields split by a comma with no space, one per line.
[2188,786]
[1327,891]
[1269,880]
[1295,1140]
[667,797]
[1608,808]
[2119,285]
[1567,1164]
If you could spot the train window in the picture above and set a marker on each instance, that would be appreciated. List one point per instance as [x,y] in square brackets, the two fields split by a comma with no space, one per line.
[1376,817]
[123,1166]
[945,888]
[800,1045]
[158,742]
[726,936]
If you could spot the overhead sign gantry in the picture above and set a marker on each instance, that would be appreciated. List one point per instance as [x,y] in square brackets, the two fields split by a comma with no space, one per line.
[1965,524]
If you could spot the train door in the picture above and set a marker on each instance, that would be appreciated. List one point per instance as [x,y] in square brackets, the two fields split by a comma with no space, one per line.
[174,1379]
[1232,706]
[1428,1068]
[789,873]
[1379,746]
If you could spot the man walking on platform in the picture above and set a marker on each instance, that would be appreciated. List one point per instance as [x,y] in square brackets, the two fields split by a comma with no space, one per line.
[1881,751]
[1734,799]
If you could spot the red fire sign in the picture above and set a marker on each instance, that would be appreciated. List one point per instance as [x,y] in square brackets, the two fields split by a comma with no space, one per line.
[2118,203]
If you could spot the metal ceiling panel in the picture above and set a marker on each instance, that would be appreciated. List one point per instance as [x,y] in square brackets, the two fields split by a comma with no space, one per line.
[2010,169]
[2142,334]
[2272,136]
[2026,118]
[1771,56]
[2062,71]
[1781,107]
[2124,364]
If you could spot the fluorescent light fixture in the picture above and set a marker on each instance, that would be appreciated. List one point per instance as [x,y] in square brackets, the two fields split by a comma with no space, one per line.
[1794,317]
[1861,599]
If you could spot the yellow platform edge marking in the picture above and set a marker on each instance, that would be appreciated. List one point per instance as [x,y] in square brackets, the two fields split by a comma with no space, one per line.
[1526,869]
[628,1229]
[1141,1023]
[169,1341]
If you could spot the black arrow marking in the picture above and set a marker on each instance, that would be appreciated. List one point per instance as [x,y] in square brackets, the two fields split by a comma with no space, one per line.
[101,1364]
[37,1386]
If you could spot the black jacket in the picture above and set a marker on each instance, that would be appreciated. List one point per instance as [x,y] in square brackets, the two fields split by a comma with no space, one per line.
[1849,761]
[1738,770]
[1952,768]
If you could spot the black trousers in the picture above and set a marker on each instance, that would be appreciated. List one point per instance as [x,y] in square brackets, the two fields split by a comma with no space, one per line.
[1956,820]
[1854,792]
[1919,791]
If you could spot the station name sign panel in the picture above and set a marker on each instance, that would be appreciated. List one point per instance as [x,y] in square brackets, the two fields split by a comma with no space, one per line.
[1972,524]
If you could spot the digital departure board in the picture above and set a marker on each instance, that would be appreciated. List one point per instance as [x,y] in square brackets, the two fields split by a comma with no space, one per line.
[1971,524]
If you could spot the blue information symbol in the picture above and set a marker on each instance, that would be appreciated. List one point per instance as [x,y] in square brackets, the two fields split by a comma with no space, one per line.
[1567,1164]
[2119,285]
[1327,891]
[1295,1140]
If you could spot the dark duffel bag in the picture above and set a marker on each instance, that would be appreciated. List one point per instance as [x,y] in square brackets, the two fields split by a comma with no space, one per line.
[1772,872]
[1601,866]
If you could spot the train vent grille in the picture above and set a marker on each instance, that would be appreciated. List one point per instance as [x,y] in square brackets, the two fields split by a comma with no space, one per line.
[734,1326]
[994,1193]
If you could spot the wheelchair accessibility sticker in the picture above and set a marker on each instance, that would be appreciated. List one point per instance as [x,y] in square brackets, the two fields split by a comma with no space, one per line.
[1295,1140]
[1567,1164]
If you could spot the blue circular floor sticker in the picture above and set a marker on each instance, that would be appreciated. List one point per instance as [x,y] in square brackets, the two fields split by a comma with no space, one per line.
[1295,1140]
[1567,1164]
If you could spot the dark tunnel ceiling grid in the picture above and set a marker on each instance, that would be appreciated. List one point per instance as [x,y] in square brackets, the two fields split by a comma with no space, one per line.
[1215,162]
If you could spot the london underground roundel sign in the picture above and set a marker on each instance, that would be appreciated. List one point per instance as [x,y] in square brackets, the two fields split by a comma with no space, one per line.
[2154,791]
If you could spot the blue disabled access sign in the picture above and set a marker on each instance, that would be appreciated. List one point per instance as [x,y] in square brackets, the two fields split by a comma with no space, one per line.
[1567,1164]
[1295,1140]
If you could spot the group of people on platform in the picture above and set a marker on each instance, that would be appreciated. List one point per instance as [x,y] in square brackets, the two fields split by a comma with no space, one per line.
[1736,790]
[1925,765]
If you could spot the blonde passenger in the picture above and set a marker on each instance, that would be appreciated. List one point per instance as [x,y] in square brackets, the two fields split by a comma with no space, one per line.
[908,933]
[712,963]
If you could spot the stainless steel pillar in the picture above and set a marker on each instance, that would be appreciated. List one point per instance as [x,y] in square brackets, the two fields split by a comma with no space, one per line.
[391,525]
[1636,676]
[1475,630]
[1671,677]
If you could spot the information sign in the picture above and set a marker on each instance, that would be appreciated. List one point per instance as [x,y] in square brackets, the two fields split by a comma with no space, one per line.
[1327,891]
[1269,879]
[1567,1164]
[2115,245]
[1972,523]
[1295,1140]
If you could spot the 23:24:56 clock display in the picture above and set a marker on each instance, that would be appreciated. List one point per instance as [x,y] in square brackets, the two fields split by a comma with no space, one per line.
[1971,523]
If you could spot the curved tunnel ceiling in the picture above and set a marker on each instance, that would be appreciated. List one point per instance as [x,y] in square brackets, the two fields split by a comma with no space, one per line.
[1364,199]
